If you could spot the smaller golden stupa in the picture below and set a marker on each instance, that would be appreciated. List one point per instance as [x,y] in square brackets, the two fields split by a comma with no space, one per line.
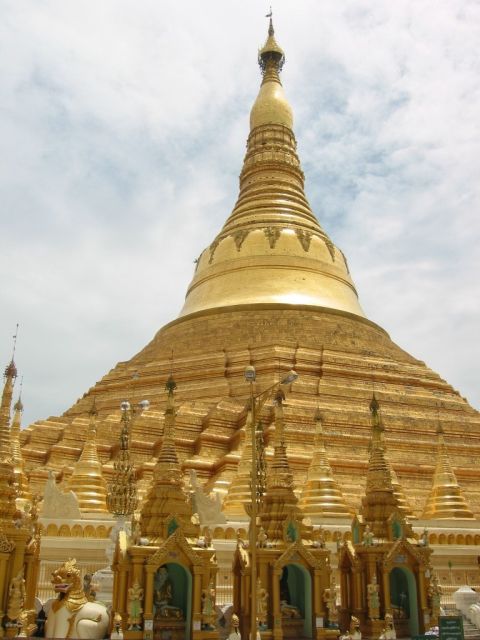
[87,481]
[321,495]
[446,500]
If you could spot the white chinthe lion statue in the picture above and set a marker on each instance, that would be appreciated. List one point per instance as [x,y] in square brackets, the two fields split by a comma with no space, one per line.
[71,614]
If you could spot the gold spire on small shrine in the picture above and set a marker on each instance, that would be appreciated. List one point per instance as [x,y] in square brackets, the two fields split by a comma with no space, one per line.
[280,502]
[21,480]
[322,495]
[7,476]
[167,505]
[379,501]
[122,498]
[446,500]
[87,481]
[402,502]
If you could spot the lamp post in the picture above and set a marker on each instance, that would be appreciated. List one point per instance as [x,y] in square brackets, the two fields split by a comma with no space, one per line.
[256,404]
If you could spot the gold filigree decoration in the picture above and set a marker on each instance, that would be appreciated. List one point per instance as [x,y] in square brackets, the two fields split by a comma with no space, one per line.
[330,248]
[305,238]
[272,234]
[6,545]
[239,237]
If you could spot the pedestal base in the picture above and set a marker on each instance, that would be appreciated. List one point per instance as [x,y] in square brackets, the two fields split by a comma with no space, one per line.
[169,629]
[326,634]
[372,629]
[292,628]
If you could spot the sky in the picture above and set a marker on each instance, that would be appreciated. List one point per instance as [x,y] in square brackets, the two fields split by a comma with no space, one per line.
[123,128]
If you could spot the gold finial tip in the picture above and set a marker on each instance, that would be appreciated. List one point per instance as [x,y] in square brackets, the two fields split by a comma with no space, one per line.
[170,385]
[93,413]
[11,370]
[18,406]
[374,405]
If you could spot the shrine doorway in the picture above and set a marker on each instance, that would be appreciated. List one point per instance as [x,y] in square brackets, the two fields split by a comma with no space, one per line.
[404,599]
[296,588]
[181,591]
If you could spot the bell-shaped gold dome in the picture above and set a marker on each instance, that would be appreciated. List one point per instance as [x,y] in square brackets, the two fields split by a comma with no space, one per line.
[271,250]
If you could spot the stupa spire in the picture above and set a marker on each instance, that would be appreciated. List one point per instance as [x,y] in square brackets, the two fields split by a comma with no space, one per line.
[379,502]
[280,502]
[399,494]
[21,480]
[272,249]
[446,500]
[87,481]
[122,497]
[167,505]
[322,495]
[7,476]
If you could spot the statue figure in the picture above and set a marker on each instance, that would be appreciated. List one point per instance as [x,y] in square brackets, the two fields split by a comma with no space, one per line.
[71,614]
[367,539]
[234,625]
[262,538]
[319,538]
[136,531]
[388,632]
[262,606]
[434,597]
[330,600]
[289,610]
[354,632]
[424,540]
[88,587]
[135,610]
[16,597]
[163,597]
[208,608]
[373,599]
[207,536]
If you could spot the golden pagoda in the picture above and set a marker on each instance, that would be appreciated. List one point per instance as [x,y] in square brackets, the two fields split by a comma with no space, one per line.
[272,290]
[446,500]
[385,573]
[87,481]
[165,572]
[321,495]
[19,534]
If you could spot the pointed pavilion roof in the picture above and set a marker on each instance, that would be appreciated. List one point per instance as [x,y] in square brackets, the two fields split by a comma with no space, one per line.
[7,476]
[167,505]
[280,502]
[239,491]
[379,502]
[321,495]
[271,250]
[446,500]
[87,481]
[21,480]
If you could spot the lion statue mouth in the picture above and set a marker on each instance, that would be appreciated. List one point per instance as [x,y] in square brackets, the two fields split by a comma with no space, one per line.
[62,587]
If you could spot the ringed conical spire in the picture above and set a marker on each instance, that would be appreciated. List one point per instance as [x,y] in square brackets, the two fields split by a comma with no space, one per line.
[321,495]
[167,505]
[87,481]
[21,480]
[280,501]
[271,250]
[446,500]
[379,502]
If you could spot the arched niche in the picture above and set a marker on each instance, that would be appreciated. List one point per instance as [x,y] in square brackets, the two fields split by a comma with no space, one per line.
[180,595]
[403,595]
[296,588]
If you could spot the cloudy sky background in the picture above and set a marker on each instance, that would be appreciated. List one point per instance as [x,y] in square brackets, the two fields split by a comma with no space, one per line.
[123,128]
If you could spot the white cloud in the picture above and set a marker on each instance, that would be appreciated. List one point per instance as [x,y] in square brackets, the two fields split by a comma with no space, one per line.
[123,128]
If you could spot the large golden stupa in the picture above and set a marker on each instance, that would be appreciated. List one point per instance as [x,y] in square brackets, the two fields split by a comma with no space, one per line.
[272,290]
